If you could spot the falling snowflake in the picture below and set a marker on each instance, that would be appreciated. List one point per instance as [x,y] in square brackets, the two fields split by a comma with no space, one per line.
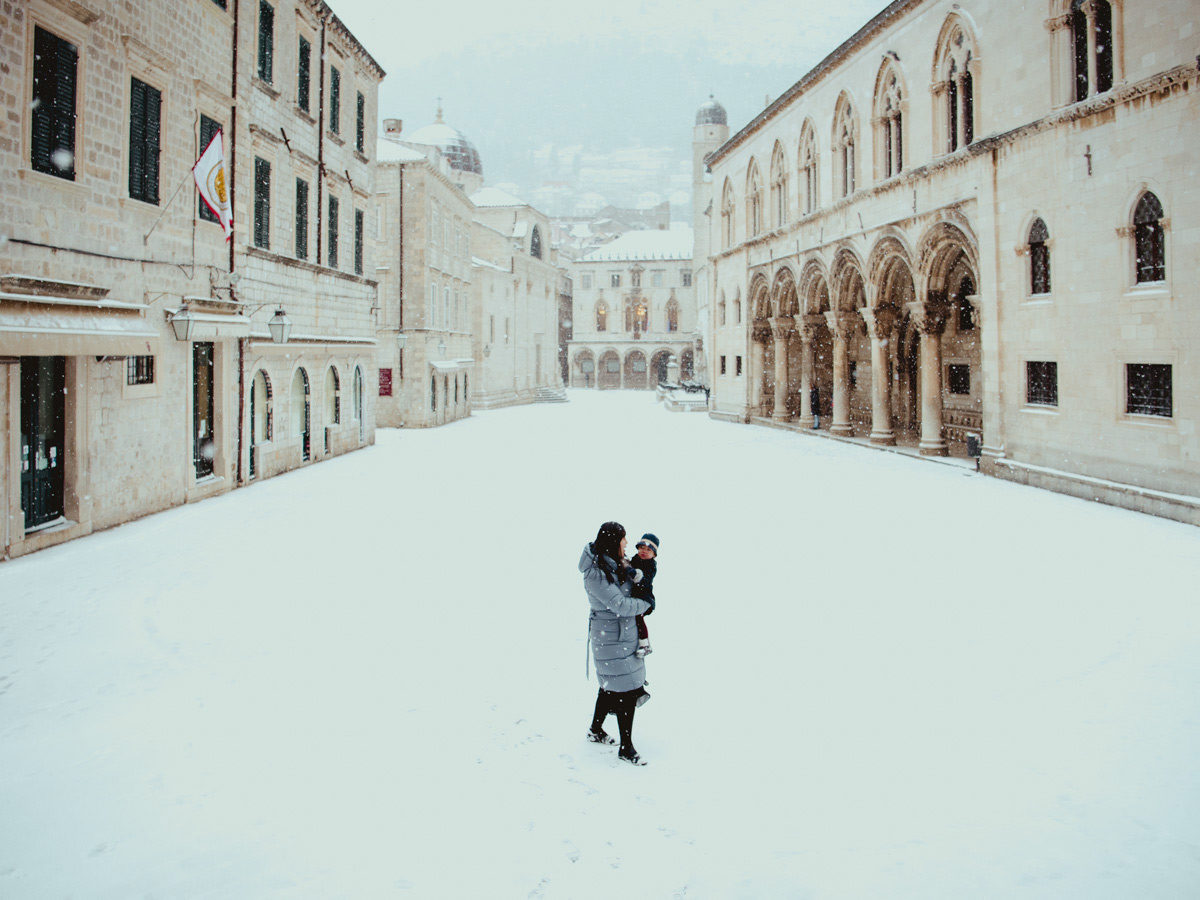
[63,159]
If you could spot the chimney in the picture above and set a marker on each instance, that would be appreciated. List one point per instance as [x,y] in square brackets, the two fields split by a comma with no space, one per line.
[391,127]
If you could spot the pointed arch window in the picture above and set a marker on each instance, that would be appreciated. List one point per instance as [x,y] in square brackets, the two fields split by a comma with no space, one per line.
[843,149]
[954,86]
[721,310]
[808,171]
[779,187]
[727,215]
[672,316]
[890,126]
[535,243]
[1149,246]
[754,201]
[1039,258]
[1092,45]
[602,316]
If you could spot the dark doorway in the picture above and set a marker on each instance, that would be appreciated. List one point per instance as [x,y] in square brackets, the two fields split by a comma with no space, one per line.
[43,408]
[204,445]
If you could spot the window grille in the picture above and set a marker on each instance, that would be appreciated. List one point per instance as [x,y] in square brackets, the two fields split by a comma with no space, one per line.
[1148,389]
[1041,383]
[139,370]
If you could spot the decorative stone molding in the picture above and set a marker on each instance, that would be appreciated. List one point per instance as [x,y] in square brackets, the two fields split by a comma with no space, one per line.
[880,321]
[929,317]
[80,12]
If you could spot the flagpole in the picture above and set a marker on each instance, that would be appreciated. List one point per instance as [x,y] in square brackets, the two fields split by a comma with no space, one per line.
[186,179]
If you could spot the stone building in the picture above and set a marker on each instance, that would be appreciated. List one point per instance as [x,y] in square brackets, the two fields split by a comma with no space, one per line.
[132,335]
[517,296]
[634,308]
[972,224]
[469,285]
[426,300]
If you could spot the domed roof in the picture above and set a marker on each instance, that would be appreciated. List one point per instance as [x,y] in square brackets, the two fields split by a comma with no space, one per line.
[711,113]
[459,152]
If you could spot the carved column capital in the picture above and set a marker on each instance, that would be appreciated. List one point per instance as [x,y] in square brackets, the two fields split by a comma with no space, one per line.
[928,317]
[1057,22]
[760,330]
[782,327]
[841,325]
[881,321]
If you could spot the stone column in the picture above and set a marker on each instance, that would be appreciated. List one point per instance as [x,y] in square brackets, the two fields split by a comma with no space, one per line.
[758,357]
[806,328]
[782,329]
[1089,11]
[881,323]
[840,326]
[929,318]
[961,121]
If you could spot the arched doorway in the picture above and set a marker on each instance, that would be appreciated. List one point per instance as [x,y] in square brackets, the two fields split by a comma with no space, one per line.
[609,376]
[658,366]
[302,413]
[260,416]
[333,401]
[636,370]
[762,348]
[583,372]
[817,341]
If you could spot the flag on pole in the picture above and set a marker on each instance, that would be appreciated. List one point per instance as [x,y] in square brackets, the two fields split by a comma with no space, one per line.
[211,179]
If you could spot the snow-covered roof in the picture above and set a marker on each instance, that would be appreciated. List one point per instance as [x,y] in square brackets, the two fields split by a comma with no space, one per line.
[388,150]
[479,263]
[673,244]
[490,196]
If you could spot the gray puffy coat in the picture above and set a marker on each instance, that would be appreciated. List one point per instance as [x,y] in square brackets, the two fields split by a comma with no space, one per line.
[612,628]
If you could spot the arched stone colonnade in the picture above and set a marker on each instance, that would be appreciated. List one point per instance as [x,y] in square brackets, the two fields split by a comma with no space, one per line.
[907,317]
[637,368]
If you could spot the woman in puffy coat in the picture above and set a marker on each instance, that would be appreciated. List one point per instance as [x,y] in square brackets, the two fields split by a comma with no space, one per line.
[612,631]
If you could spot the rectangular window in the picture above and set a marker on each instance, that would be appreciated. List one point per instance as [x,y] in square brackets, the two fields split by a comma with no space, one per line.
[658,277]
[613,366]
[360,127]
[301,219]
[139,370]
[55,64]
[266,40]
[722,365]
[358,242]
[1148,390]
[335,100]
[585,282]
[737,365]
[615,280]
[385,382]
[332,255]
[1041,383]
[958,379]
[262,203]
[303,74]
[685,277]
[145,111]
[208,130]
[492,329]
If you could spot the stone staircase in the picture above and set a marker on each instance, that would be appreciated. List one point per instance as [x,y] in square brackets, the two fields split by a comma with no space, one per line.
[550,395]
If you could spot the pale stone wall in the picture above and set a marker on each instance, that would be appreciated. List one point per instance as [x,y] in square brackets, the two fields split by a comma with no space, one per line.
[878,272]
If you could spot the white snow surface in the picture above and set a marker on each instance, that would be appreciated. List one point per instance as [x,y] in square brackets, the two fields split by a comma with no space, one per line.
[674,243]
[873,677]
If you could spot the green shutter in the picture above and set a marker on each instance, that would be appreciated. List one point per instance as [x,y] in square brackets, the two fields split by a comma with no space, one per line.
[153,140]
[137,138]
[360,131]
[262,203]
[333,233]
[266,40]
[302,74]
[358,242]
[335,99]
[301,219]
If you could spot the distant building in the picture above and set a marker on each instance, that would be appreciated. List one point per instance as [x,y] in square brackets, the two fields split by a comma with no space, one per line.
[634,308]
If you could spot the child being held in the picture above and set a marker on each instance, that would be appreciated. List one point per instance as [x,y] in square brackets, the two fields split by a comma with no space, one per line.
[644,561]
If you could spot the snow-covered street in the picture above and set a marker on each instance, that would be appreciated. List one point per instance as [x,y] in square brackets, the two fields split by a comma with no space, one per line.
[873,677]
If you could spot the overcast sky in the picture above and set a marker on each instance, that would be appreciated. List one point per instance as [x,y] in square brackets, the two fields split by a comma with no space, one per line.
[516,75]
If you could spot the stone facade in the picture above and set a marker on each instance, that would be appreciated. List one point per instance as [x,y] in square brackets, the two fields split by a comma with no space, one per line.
[634,309]
[970,225]
[105,415]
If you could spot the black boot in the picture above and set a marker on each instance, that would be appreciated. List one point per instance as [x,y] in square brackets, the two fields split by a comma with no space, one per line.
[625,704]
[604,705]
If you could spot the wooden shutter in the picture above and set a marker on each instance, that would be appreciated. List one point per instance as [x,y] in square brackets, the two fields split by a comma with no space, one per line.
[266,40]
[262,203]
[358,242]
[56,62]
[301,219]
[333,233]
[302,74]
[137,138]
[360,131]
[335,99]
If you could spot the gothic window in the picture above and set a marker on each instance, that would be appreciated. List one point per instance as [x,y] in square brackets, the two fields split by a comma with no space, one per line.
[602,316]
[808,170]
[727,215]
[1151,264]
[754,201]
[535,244]
[721,310]
[955,71]
[843,148]
[1092,46]
[963,308]
[778,187]
[889,124]
[1039,258]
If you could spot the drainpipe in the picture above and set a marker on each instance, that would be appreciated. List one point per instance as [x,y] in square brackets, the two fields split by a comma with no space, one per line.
[232,188]
[320,142]
[400,238]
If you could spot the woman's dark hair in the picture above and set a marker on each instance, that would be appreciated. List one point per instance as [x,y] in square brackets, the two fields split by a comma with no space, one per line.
[607,547]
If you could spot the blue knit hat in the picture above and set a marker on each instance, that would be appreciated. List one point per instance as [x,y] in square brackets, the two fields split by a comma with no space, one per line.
[651,539]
